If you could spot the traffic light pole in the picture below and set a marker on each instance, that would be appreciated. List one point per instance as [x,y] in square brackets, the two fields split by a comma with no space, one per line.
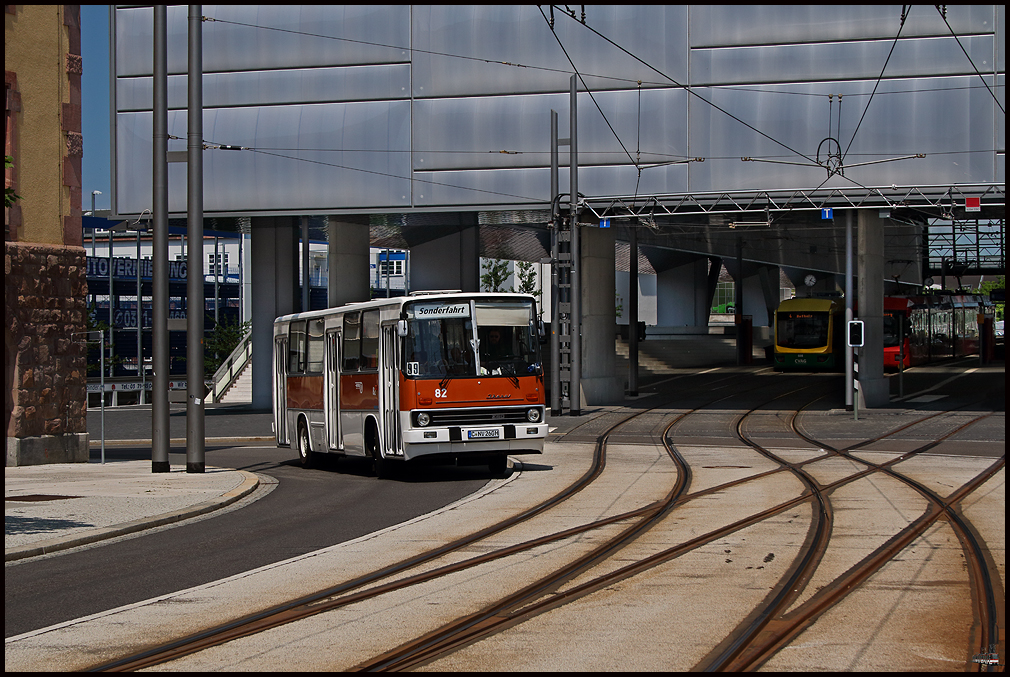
[195,443]
[160,439]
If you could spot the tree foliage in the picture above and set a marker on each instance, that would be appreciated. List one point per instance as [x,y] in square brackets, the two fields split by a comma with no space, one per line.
[494,274]
[988,286]
[221,341]
[10,197]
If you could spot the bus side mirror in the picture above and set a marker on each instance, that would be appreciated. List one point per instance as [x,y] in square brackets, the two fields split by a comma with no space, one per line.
[542,331]
[401,328]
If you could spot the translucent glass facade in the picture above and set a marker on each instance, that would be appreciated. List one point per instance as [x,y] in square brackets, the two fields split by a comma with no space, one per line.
[369,108]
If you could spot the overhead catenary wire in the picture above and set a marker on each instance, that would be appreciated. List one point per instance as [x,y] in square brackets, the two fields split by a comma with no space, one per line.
[630,81]
[894,44]
[217,146]
[943,15]
[586,87]
[691,92]
[582,76]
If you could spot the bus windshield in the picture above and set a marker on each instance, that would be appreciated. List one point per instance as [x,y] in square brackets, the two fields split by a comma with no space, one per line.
[802,330]
[460,338]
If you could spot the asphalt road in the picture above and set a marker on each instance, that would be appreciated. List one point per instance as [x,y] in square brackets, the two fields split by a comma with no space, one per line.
[307,510]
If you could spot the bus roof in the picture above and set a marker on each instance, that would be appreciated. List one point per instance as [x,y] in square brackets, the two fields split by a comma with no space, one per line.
[398,301]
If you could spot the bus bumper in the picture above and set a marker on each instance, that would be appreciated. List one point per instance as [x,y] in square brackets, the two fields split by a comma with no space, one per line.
[461,441]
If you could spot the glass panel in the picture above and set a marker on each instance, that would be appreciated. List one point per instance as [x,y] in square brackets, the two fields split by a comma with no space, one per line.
[508,339]
[439,341]
[370,340]
[802,330]
[352,341]
[296,348]
[314,350]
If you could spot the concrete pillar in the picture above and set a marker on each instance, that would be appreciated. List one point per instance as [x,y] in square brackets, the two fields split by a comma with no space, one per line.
[682,295]
[873,386]
[274,274]
[599,382]
[451,261]
[647,297]
[347,257]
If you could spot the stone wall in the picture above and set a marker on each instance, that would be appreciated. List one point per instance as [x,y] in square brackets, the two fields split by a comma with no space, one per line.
[45,362]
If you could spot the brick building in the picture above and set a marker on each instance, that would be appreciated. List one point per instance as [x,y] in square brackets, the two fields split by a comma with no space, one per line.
[45,281]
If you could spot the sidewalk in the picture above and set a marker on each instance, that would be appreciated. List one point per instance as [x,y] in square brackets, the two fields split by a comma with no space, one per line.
[54,507]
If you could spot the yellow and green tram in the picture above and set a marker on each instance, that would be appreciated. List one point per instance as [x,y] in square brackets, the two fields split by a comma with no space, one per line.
[809,334]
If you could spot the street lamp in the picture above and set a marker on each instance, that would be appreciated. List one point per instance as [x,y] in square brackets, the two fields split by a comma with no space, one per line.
[93,194]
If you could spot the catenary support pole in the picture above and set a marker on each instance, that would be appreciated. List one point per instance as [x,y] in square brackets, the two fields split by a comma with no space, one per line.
[633,310]
[160,439]
[555,289]
[576,282]
[195,302]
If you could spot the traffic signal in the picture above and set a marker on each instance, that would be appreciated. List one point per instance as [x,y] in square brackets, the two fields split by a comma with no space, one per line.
[855,334]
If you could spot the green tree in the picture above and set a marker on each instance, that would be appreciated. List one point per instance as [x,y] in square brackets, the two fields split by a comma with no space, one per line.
[494,273]
[94,361]
[10,197]
[987,287]
[222,340]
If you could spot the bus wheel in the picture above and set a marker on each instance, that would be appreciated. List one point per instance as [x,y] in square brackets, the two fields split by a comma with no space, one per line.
[498,465]
[304,450]
[380,466]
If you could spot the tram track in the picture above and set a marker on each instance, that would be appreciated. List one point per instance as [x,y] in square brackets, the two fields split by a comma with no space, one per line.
[768,627]
[369,586]
[741,648]
[754,644]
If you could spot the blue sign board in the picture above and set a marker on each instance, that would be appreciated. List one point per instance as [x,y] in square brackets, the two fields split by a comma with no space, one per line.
[604,223]
[827,214]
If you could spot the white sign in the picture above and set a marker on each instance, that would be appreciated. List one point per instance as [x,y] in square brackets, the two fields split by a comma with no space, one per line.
[431,311]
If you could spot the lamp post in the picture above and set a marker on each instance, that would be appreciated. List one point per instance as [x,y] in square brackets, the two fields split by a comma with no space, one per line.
[93,194]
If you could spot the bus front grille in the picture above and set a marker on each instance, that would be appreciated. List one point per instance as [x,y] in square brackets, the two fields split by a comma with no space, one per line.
[481,416]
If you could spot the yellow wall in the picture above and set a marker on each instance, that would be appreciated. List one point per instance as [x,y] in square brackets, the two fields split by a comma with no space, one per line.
[35,48]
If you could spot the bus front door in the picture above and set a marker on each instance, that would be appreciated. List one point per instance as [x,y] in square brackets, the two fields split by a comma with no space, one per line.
[334,438]
[390,401]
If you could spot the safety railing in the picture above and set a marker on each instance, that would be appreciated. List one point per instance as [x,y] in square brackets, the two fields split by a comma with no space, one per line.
[231,368]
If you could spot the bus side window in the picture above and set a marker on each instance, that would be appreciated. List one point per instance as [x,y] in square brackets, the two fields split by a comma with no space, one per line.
[314,347]
[296,348]
[370,340]
[352,341]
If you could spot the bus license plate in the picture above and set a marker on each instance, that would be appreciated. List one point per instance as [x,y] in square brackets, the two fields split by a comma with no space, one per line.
[482,434]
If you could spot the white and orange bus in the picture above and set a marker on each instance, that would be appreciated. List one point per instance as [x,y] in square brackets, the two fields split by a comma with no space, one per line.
[444,375]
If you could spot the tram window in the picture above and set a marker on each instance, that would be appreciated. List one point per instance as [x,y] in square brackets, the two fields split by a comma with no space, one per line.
[369,340]
[352,341]
[802,330]
[314,347]
[296,348]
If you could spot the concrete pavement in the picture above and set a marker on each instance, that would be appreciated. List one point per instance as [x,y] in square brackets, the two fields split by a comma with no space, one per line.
[59,506]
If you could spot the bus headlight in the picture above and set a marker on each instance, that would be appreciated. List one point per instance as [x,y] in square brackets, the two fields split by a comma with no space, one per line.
[423,419]
[533,415]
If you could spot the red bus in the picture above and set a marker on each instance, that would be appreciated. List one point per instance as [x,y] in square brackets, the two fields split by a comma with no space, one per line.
[445,376]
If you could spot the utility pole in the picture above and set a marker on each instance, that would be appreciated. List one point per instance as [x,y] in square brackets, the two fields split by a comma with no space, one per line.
[849,300]
[576,288]
[566,324]
[555,273]
[195,302]
[160,439]
[633,310]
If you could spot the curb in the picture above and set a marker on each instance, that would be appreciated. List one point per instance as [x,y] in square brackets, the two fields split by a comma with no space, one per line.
[249,484]
[178,441]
